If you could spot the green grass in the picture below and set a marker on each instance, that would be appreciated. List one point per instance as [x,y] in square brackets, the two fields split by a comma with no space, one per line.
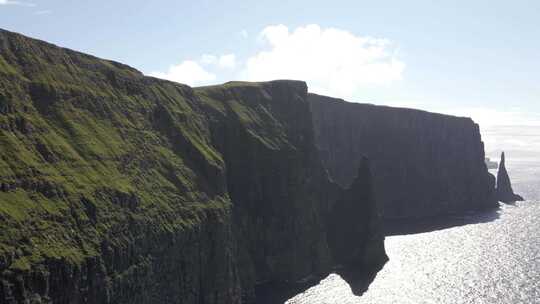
[6,68]
[98,134]
[101,141]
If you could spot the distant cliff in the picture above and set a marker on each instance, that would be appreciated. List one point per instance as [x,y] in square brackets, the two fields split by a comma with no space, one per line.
[424,164]
[121,188]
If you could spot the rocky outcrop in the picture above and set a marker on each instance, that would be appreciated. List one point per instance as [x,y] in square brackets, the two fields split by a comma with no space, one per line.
[505,193]
[121,188]
[424,164]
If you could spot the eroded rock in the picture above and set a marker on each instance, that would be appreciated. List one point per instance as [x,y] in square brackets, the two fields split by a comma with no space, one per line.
[505,193]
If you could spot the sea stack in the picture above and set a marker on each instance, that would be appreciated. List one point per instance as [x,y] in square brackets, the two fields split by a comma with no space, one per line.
[505,193]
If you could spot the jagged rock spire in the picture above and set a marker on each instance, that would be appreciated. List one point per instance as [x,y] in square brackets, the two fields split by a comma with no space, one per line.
[505,193]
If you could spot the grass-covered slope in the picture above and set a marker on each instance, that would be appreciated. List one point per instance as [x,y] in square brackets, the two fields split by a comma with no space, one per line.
[95,156]
[88,143]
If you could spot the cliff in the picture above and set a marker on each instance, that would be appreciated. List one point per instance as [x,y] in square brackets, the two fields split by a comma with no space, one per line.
[424,164]
[121,188]
[505,193]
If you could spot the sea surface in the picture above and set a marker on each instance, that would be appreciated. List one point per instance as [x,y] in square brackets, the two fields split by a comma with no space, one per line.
[493,257]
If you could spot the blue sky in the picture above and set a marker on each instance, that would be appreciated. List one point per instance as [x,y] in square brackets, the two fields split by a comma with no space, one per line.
[472,58]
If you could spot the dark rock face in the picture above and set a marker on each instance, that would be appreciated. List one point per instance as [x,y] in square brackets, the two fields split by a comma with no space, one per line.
[348,222]
[505,193]
[121,188]
[424,164]
[274,175]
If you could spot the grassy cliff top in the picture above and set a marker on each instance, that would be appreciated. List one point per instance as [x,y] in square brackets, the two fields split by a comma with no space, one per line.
[92,151]
[90,148]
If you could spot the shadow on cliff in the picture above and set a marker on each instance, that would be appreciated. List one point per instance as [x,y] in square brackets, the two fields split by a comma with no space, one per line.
[413,226]
[280,293]
[359,281]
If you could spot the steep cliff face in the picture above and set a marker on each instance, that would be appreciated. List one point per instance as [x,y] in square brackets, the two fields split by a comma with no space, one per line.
[284,203]
[120,188]
[348,222]
[505,193]
[423,163]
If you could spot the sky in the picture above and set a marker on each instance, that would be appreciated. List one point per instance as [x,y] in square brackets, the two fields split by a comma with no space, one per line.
[470,58]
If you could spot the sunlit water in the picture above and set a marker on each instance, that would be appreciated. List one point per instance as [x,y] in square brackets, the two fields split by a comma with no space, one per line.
[497,261]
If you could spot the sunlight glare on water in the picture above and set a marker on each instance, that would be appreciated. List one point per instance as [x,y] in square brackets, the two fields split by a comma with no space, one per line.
[491,262]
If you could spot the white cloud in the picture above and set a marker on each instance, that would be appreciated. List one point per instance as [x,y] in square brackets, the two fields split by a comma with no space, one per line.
[208,59]
[244,34]
[188,72]
[43,12]
[195,73]
[331,61]
[227,61]
[224,61]
[13,2]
